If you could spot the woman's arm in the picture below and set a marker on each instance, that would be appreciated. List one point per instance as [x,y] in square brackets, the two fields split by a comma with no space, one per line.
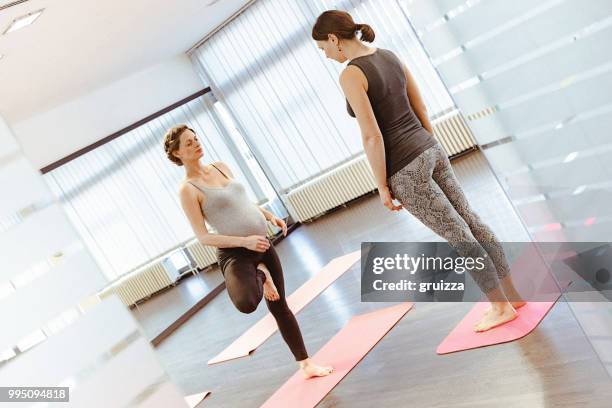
[355,85]
[193,211]
[267,214]
[416,101]
[279,222]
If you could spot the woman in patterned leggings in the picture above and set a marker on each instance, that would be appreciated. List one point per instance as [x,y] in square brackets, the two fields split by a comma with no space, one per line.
[408,163]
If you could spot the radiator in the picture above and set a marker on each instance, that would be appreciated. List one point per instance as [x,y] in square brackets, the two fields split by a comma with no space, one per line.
[335,188]
[355,178]
[139,284]
[142,283]
[203,255]
[453,134]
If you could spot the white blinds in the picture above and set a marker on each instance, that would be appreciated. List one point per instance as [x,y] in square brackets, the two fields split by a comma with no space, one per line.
[285,94]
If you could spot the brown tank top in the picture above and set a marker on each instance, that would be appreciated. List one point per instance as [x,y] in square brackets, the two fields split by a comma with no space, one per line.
[403,135]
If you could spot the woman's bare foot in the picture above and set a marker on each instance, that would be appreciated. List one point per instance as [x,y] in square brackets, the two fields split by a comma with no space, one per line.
[269,290]
[515,305]
[310,369]
[500,313]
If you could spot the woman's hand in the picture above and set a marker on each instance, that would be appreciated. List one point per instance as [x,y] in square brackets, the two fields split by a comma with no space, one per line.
[387,199]
[280,223]
[257,243]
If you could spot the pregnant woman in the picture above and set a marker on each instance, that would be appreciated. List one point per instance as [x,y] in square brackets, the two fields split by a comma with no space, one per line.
[248,261]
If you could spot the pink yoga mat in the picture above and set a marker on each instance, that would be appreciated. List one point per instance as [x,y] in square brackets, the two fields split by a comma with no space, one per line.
[263,329]
[343,352]
[463,337]
[532,277]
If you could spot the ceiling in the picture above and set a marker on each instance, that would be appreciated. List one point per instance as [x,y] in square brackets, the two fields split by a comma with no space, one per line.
[76,46]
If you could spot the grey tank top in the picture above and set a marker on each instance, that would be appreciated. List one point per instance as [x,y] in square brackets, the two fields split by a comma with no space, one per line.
[230,212]
[403,135]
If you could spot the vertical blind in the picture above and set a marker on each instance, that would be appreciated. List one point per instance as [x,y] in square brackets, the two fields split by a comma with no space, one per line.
[285,94]
[123,196]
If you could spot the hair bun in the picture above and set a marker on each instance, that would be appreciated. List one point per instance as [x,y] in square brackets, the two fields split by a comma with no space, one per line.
[367,33]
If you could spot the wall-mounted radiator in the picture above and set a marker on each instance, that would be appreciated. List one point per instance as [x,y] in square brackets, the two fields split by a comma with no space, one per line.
[203,255]
[335,188]
[140,284]
[143,282]
[454,134]
[355,178]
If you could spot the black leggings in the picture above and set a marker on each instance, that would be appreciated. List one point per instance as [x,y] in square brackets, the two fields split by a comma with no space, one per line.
[244,283]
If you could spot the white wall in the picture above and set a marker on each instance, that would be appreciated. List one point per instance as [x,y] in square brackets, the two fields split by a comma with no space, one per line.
[49,136]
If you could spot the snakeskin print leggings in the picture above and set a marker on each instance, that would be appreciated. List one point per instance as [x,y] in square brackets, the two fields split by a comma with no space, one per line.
[428,189]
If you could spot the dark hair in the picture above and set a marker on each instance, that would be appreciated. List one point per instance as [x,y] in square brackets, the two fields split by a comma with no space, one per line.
[342,25]
[172,142]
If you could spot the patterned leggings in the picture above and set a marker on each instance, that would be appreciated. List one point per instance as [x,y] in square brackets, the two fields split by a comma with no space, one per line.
[428,189]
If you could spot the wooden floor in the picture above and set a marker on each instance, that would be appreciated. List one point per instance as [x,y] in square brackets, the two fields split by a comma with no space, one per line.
[555,366]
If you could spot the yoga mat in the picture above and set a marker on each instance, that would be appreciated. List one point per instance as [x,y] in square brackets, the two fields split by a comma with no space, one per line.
[463,337]
[532,277]
[256,335]
[194,399]
[343,352]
